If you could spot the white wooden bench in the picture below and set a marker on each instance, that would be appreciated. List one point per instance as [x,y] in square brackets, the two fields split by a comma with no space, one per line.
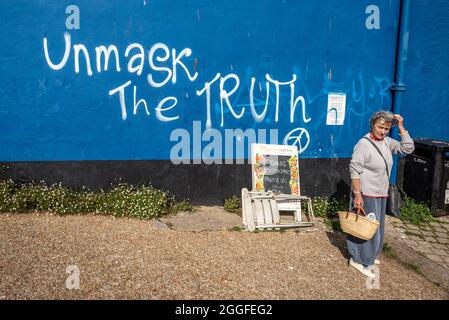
[261,210]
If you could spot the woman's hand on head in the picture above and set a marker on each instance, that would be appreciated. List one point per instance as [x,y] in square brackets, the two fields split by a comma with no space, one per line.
[400,120]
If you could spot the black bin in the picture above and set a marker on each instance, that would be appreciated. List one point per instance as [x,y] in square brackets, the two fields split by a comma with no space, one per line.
[426,174]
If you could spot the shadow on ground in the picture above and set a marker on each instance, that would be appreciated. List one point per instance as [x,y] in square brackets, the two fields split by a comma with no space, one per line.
[338,240]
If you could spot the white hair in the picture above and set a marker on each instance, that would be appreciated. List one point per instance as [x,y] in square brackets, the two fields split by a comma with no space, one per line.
[386,116]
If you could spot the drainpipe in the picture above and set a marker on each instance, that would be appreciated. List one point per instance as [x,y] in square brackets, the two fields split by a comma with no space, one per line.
[398,86]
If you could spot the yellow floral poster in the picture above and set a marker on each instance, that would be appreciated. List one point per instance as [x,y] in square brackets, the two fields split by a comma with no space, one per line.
[275,168]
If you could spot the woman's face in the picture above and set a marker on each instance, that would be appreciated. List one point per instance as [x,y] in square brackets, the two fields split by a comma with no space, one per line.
[380,129]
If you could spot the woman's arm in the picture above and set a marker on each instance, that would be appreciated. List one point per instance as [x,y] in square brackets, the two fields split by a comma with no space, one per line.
[406,146]
[356,167]
[356,190]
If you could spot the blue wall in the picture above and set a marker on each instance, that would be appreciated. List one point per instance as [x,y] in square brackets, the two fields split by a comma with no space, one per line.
[48,114]
[426,101]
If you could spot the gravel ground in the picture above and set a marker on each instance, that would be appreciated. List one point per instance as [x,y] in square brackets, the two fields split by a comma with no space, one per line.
[133,259]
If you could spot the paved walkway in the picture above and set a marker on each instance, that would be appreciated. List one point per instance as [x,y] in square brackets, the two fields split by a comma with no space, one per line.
[424,248]
[431,240]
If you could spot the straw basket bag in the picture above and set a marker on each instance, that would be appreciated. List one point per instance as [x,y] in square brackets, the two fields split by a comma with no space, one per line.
[357,225]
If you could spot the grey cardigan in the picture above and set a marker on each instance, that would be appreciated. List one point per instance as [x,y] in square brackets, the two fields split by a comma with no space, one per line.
[368,166]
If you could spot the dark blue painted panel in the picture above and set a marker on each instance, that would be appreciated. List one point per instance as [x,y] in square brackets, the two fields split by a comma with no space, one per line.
[50,114]
[426,100]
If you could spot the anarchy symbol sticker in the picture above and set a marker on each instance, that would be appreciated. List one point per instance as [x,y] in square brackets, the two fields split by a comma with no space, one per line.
[298,137]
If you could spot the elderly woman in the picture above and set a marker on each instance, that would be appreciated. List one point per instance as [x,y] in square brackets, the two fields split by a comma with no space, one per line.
[370,182]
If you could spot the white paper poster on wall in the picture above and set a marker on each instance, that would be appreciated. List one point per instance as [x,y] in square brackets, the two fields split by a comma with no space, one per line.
[336,109]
